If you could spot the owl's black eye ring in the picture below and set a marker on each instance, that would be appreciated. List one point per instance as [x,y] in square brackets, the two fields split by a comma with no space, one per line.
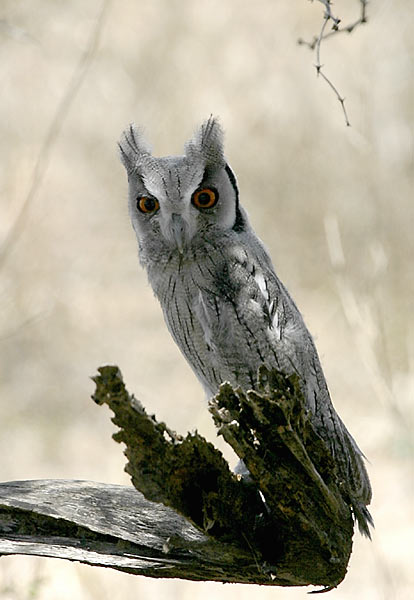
[147,204]
[206,197]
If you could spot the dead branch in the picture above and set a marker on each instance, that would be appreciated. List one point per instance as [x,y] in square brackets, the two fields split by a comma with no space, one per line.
[111,526]
[287,525]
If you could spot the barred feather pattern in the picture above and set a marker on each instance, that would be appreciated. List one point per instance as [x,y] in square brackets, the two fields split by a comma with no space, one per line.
[222,301]
[230,317]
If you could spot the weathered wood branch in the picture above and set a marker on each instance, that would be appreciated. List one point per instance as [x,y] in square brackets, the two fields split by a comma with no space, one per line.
[287,525]
[112,526]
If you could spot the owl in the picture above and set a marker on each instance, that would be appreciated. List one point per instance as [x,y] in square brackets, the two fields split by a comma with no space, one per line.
[222,301]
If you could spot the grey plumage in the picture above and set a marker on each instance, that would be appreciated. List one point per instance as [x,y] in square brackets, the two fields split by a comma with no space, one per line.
[223,303]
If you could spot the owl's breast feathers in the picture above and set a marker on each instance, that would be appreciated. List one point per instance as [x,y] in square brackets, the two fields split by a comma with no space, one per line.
[229,313]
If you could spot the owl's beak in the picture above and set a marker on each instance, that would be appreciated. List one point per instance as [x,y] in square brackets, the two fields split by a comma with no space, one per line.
[179,231]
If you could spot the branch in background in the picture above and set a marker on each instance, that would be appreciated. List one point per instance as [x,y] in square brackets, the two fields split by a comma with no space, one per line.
[54,130]
[365,323]
[315,44]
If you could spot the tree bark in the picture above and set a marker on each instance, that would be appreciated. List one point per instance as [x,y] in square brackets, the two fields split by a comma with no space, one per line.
[285,524]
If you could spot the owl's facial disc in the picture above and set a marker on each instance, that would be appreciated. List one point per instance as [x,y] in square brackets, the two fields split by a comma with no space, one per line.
[181,203]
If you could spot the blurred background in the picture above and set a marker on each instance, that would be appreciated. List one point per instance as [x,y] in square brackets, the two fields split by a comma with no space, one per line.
[333,204]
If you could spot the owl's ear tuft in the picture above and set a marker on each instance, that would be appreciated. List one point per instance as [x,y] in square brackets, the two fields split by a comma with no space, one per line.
[133,148]
[207,144]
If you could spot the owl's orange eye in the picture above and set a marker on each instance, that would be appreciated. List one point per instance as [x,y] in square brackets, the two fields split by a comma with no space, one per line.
[147,204]
[205,198]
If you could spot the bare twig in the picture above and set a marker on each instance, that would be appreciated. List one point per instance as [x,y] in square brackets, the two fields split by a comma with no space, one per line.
[318,66]
[351,26]
[328,13]
[336,29]
[338,95]
[315,44]
[54,130]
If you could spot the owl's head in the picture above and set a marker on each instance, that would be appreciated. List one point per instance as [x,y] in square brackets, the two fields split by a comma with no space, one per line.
[179,200]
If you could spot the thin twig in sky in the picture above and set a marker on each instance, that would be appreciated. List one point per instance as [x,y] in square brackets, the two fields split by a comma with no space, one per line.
[315,44]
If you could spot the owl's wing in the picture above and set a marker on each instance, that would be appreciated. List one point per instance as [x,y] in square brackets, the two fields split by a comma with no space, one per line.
[249,319]
[247,315]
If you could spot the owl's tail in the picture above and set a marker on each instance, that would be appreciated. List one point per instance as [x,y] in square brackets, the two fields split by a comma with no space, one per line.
[359,487]
[363,518]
